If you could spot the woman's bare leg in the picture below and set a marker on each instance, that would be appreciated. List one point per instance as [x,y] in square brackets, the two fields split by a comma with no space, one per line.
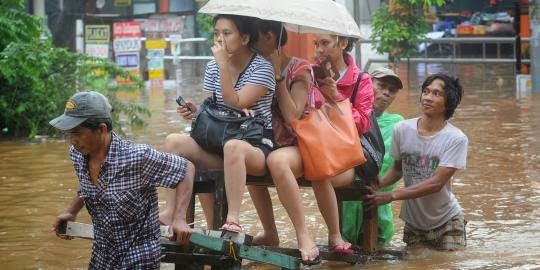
[285,165]
[183,145]
[263,204]
[240,158]
[327,202]
[207,204]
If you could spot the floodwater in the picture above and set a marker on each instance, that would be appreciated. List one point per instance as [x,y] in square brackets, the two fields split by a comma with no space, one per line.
[499,191]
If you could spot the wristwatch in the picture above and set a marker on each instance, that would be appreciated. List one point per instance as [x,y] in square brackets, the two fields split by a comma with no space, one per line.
[279,77]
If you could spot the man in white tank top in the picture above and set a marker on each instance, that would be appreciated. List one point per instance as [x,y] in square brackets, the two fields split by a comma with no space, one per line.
[428,150]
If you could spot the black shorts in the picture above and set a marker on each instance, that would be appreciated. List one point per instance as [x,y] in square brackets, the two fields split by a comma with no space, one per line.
[267,142]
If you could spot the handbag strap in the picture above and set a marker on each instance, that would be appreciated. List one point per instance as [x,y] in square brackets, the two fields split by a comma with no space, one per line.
[355,89]
[372,116]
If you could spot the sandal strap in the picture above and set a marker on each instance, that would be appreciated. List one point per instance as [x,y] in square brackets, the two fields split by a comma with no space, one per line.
[233,223]
[227,224]
[308,252]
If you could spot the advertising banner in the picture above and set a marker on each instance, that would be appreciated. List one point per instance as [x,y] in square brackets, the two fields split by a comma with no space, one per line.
[156,74]
[126,44]
[97,50]
[122,3]
[175,44]
[127,29]
[128,60]
[167,25]
[156,44]
[155,63]
[94,33]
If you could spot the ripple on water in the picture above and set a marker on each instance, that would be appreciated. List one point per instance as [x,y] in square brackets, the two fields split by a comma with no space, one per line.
[499,191]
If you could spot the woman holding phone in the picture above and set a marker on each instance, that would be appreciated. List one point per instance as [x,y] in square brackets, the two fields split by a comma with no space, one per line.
[240,78]
[340,76]
[336,76]
[293,93]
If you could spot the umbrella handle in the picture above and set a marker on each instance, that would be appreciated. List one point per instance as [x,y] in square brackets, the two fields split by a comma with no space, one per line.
[280,34]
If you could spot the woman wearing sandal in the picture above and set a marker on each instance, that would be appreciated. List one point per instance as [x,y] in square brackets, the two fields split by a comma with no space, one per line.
[285,164]
[240,78]
[294,87]
[339,84]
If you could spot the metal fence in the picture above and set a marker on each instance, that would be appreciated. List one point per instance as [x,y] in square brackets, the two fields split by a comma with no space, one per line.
[454,58]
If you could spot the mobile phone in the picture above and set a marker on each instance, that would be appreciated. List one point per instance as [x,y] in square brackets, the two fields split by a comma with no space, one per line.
[320,72]
[181,102]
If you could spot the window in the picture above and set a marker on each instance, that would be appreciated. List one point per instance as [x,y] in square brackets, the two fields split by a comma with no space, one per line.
[180,5]
[144,6]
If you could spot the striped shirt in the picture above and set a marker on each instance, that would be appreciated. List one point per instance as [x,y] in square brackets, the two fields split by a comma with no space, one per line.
[123,206]
[258,72]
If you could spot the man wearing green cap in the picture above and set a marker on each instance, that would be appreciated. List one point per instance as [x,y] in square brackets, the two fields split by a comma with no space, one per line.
[386,84]
[117,185]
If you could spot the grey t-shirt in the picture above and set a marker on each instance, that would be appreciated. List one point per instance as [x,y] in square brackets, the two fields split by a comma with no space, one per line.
[420,156]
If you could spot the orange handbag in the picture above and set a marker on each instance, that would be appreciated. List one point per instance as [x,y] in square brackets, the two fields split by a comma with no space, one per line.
[328,141]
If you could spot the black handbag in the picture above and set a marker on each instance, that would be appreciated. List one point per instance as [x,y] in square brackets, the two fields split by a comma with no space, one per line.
[372,145]
[217,123]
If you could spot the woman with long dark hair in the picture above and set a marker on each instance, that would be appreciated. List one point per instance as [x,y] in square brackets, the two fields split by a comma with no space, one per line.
[240,78]
[293,91]
[333,53]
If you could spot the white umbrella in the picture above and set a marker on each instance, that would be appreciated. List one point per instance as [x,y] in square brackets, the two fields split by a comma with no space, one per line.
[302,16]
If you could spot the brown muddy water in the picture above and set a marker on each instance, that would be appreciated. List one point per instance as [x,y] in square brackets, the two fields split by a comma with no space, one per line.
[499,191]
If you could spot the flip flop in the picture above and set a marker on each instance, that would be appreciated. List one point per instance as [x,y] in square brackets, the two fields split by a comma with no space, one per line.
[343,248]
[231,226]
[315,261]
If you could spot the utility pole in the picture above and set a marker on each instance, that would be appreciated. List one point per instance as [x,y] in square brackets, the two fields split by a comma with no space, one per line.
[39,8]
[534,17]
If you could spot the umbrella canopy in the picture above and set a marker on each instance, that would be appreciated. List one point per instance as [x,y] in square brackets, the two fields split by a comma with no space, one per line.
[302,16]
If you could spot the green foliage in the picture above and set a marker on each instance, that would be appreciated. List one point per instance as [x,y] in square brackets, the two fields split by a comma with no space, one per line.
[16,25]
[95,74]
[206,26]
[398,29]
[36,78]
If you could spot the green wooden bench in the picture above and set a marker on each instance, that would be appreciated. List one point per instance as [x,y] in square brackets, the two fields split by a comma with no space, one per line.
[225,250]
[219,249]
[212,182]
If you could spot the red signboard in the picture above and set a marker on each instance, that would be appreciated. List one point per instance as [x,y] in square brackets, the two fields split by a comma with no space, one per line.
[126,29]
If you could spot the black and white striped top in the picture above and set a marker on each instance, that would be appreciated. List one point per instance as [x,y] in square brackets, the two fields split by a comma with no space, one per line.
[259,72]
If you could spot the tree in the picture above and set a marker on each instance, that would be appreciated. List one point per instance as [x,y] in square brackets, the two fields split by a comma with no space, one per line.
[16,25]
[36,78]
[400,26]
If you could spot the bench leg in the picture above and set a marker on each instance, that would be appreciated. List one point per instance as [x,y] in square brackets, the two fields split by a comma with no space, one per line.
[220,201]
[370,225]
[190,215]
[370,219]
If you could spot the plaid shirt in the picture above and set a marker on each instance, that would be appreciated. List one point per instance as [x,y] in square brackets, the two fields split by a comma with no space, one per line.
[123,206]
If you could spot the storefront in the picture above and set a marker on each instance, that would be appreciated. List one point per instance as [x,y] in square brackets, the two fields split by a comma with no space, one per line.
[136,34]
[485,19]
